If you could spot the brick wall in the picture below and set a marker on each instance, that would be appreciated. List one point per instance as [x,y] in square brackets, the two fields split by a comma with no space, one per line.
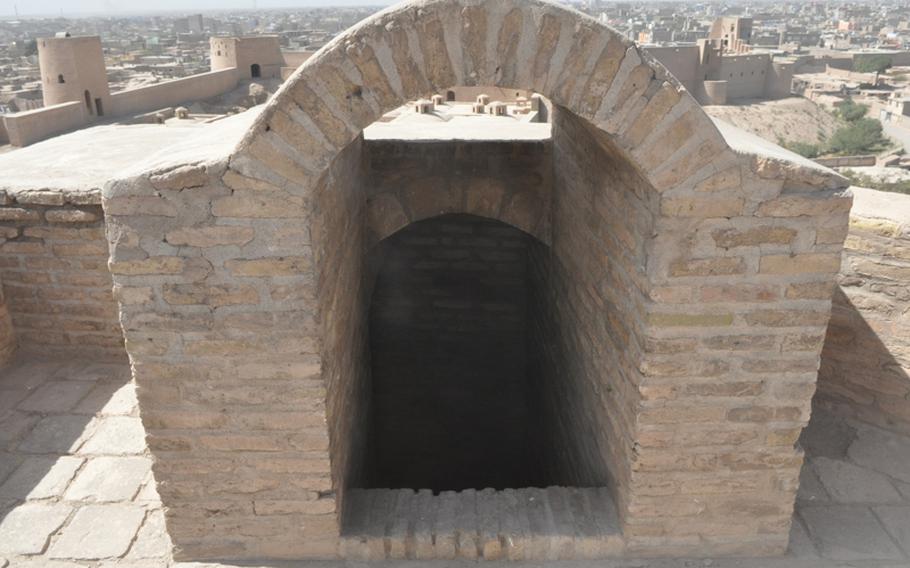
[865,369]
[731,310]
[588,307]
[53,265]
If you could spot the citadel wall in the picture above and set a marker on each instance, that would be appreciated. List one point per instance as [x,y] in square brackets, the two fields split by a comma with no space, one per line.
[24,128]
[173,93]
[865,367]
[53,266]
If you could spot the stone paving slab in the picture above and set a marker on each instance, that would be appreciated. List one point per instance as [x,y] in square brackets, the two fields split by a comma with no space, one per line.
[56,396]
[883,452]
[56,434]
[98,531]
[109,479]
[116,435]
[849,532]
[896,520]
[849,483]
[27,528]
[76,488]
[40,477]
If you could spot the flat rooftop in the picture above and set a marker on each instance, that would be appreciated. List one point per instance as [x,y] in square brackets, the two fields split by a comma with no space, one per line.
[84,160]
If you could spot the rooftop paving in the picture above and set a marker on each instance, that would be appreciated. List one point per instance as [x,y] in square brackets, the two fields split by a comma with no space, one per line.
[76,487]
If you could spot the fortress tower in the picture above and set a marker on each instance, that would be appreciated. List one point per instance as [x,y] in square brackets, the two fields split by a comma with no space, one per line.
[254,57]
[72,69]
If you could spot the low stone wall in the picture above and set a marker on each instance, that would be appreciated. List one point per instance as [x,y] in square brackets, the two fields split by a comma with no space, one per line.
[7,337]
[53,265]
[24,128]
[865,370]
[846,161]
[171,93]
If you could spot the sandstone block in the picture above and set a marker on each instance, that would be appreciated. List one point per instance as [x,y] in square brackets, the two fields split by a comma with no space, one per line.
[70,216]
[806,204]
[278,266]
[152,265]
[729,238]
[18,214]
[809,263]
[721,266]
[183,177]
[204,237]
[705,207]
[136,205]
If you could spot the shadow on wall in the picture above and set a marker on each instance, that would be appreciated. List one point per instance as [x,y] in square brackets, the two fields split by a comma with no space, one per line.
[47,416]
[860,376]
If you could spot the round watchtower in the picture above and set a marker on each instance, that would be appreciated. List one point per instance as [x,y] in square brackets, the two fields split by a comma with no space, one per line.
[72,69]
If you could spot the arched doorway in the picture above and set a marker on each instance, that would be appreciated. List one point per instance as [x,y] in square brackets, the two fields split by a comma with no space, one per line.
[658,281]
[452,397]
[255,71]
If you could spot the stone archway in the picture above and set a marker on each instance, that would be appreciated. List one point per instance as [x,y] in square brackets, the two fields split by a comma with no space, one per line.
[700,275]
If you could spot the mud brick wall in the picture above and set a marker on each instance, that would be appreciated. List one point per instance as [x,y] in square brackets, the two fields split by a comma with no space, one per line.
[865,369]
[53,265]
[588,296]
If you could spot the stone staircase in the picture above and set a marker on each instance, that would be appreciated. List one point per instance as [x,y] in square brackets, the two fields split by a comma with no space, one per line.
[553,523]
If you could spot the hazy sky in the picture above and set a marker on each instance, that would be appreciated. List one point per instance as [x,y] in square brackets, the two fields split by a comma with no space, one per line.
[54,7]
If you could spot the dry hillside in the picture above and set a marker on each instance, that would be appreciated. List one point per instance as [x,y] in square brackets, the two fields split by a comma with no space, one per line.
[789,120]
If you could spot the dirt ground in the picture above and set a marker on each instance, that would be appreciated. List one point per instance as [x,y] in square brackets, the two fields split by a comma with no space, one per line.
[789,120]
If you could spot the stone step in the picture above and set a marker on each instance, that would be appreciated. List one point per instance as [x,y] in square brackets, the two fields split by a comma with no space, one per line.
[552,523]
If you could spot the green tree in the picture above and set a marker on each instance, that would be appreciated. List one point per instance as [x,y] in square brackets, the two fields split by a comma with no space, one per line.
[804,149]
[850,111]
[874,64]
[862,135]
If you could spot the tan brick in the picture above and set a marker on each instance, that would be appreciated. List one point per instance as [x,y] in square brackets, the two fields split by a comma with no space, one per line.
[805,204]
[810,290]
[691,320]
[209,295]
[786,318]
[729,238]
[151,265]
[18,214]
[134,205]
[706,207]
[722,266]
[211,236]
[809,263]
[277,266]
[70,216]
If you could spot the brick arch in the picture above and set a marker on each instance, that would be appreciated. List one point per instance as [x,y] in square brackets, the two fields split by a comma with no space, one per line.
[415,49]
[702,274]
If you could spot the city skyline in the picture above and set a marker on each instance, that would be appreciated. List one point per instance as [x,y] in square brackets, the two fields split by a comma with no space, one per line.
[82,8]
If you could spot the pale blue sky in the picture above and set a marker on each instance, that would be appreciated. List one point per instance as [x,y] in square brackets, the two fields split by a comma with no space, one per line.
[114,7]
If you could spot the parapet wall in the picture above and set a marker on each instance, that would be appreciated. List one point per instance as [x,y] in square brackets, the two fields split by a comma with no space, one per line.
[53,266]
[28,127]
[174,92]
[865,370]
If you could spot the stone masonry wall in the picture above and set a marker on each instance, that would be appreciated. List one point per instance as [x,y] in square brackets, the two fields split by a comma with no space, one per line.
[214,274]
[410,181]
[588,309]
[865,370]
[53,265]
[232,376]
[343,288]
[7,335]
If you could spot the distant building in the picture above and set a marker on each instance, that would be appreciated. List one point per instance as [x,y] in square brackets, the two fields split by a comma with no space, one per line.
[76,92]
[723,68]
